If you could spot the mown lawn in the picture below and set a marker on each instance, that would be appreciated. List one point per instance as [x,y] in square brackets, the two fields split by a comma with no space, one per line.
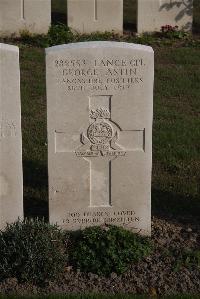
[34,129]
[176,146]
[176,132]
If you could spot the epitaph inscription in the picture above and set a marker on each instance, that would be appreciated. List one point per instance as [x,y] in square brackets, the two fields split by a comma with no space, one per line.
[121,217]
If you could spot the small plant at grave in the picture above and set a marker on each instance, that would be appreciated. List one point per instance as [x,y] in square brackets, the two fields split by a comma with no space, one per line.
[173,32]
[31,250]
[60,34]
[103,250]
[33,39]
[57,34]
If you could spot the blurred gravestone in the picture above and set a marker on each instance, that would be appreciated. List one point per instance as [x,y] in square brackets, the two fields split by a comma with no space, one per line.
[11,184]
[29,15]
[100,99]
[86,16]
[153,14]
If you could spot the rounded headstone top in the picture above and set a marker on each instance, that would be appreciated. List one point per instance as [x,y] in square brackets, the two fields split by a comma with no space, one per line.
[9,47]
[99,44]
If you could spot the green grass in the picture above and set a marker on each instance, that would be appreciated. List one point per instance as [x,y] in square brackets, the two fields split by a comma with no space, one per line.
[130,14]
[58,6]
[59,11]
[34,131]
[176,133]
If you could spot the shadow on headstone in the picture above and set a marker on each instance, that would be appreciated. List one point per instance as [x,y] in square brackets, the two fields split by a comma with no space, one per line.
[187,10]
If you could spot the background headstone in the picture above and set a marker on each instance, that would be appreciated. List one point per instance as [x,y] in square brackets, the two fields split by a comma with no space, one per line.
[86,16]
[11,182]
[152,14]
[19,15]
[100,106]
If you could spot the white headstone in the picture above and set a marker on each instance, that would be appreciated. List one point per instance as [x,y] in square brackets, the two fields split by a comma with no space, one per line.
[86,16]
[11,184]
[100,107]
[18,15]
[153,14]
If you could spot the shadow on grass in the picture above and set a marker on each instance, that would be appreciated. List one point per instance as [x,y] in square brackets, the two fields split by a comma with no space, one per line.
[172,206]
[130,27]
[196,18]
[58,18]
[165,204]
[35,189]
[36,208]
[59,11]
[35,174]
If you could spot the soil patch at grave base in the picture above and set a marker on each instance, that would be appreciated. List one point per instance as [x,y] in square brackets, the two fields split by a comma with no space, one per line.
[168,270]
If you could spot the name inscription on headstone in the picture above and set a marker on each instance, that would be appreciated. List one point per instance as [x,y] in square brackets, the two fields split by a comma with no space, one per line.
[100,74]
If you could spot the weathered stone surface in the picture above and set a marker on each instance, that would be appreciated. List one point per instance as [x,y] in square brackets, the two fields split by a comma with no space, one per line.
[86,16]
[100,106]
[152,14]
[11,184]
[18,15]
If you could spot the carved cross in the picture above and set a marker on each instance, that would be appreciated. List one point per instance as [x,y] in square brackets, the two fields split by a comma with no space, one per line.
[102,142]
[23,9]
[95,10]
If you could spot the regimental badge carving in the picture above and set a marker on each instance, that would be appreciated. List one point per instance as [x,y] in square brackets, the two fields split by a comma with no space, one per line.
[99,113]
[100,136]
[100,132]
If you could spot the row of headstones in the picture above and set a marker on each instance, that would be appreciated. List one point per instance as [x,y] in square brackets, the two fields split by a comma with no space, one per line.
[86,16]
[100,109]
